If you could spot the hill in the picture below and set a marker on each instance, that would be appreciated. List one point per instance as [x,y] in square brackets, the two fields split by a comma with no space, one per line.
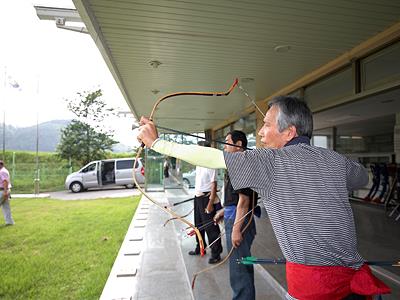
[24,138]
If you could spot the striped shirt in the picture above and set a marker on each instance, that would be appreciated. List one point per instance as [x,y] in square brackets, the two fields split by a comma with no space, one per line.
[305,191]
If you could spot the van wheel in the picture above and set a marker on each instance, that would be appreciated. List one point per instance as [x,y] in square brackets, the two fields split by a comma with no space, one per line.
[130,186]
[186,181]
[76,187]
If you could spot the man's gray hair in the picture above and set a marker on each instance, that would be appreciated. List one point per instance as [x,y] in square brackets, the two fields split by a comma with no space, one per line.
[293,112]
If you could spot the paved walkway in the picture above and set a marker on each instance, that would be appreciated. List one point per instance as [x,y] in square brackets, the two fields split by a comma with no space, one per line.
[91,194]
[95,194]
[215,283]
[41,195]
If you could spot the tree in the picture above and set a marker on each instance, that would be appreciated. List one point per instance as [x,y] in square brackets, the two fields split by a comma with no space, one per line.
[86,138]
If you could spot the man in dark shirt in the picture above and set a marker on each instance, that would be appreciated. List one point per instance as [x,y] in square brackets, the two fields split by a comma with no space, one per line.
[236,205]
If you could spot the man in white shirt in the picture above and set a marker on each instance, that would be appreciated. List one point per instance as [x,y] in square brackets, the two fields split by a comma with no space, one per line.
[204,212]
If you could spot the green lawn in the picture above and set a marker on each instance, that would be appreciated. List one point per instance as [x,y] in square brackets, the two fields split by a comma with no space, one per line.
[61,249]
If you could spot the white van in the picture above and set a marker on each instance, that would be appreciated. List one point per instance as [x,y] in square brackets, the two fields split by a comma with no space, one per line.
[105,173]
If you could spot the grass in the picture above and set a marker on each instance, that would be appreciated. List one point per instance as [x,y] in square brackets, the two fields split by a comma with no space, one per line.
[61,249]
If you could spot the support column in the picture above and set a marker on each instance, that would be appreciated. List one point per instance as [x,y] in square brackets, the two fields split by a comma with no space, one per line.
[396,138]
[263,105]
[334,138]
[208,134]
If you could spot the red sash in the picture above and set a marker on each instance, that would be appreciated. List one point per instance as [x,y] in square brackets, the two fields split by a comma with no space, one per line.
[331,282]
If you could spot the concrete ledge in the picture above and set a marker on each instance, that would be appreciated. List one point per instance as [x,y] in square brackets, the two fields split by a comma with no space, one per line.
[271,281]
[149,264]
[122,281]
[386,275]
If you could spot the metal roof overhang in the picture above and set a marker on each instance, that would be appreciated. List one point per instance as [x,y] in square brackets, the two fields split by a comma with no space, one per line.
[204,45]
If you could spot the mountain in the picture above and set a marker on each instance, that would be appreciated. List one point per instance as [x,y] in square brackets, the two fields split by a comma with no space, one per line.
[24,138]
[121,148]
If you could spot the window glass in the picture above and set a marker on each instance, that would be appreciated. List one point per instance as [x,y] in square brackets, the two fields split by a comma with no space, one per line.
[320,141]
[250,129]
[89,168]
[381,68]
[239,124]
[225,130]
[324,138]
[219,137]
[124,164]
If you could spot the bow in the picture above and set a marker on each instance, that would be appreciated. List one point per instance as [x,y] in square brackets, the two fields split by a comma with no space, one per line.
[252,260]
[166,209]
[251,219]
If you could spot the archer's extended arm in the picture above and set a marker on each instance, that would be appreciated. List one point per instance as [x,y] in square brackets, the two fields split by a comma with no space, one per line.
[196,155]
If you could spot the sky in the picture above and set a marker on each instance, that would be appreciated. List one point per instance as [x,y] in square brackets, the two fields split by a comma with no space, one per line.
[50,65]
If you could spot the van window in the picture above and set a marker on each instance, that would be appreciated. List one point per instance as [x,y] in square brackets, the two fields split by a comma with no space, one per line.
[124,164]
[89,168]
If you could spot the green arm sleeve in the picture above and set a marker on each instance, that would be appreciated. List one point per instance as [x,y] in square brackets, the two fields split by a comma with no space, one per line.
[196,155]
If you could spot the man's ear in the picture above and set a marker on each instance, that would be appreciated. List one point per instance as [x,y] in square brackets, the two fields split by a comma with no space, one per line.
[239,143]
[291,133]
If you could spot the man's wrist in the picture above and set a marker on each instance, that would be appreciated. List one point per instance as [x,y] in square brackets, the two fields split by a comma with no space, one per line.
[236,228]
[154,142]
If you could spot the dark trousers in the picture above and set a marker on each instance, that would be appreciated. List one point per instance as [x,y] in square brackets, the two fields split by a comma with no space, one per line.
[355,297]
[361,297]
[241,277]
[202,218]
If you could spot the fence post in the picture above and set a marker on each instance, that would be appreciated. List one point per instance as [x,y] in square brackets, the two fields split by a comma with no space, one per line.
[13,166]
[37,182]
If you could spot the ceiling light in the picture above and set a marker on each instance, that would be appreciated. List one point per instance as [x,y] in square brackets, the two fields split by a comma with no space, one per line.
[246,79]
[155,91]
[343,118]
[387,101]
[282,48]
[155,63]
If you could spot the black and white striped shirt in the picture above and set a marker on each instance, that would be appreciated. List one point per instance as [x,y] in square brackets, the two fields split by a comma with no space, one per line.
[305,192]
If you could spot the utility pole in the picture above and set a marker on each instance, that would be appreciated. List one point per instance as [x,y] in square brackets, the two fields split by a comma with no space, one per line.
[37,173]
[4,135]
[4,115]
[37,179]
[8,81]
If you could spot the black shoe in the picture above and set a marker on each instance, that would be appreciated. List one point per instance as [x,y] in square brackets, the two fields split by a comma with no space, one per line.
[214,260]
[196,252]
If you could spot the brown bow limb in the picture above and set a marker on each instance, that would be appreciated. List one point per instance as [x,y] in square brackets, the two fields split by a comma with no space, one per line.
[167,210]
[192,94]
[174,218]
